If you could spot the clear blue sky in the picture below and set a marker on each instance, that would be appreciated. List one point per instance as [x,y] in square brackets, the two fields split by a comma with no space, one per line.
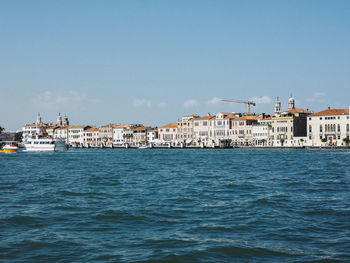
[153,61]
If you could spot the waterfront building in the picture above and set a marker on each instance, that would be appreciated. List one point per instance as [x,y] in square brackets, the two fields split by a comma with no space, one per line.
[106,134]
[152,136]
[261,131]
[201,130]
[128,135]
[50,130]
[7,137]
[140,135]
[328,127]
[119,134]
[168,134]
[35,129]
[91,137]
[288,128]
[185,129]
[220,127]
[123,134]
[61,133]
[241,130]
[75,135]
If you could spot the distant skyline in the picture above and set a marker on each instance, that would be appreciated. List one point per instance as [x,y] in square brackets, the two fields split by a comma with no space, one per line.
[151,62]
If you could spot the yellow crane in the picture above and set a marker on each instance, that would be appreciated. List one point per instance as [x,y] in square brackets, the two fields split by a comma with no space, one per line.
[241,101]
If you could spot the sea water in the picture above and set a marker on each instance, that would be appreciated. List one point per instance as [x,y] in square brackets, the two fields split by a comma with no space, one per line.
[175,205]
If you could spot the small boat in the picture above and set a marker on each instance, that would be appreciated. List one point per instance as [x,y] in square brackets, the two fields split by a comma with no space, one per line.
[144,147]
[45,145]
[9,148]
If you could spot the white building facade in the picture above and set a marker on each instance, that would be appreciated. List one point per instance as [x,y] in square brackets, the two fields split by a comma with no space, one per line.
[75,135]
[261,132]
[201,130]
[329,127]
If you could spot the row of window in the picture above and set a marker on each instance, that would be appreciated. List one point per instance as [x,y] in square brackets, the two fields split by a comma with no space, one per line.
[330,128]
[331,118]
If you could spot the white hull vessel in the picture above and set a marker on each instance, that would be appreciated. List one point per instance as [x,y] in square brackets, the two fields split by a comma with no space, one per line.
[46,145]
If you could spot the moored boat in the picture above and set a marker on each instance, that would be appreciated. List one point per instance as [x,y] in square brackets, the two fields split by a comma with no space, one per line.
[9,148]
[45,145]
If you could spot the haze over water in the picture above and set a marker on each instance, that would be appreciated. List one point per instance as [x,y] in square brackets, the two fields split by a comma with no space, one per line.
[175,205]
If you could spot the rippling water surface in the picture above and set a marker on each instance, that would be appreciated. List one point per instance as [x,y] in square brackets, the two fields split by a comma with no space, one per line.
[167,205]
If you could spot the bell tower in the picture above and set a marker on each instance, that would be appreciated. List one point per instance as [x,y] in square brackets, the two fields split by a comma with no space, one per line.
[278,106]
[38,119]
[59,119]
[291,103]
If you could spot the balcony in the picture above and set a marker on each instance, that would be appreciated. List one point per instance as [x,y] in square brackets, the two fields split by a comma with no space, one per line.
[332,133]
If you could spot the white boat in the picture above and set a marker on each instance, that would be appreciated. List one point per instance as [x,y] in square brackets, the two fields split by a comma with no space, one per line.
[45,145]
[143,146]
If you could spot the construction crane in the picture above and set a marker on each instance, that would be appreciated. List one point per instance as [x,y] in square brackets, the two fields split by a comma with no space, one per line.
[241,101]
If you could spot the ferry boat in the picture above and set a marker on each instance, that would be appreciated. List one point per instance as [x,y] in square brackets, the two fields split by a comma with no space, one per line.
[45,145]
[9,148]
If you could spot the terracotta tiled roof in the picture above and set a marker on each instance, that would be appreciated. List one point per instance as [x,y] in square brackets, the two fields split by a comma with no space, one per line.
[267,118]
[231,116]
[122,126]
[92,129]
[77,126]
[142,128]
[170,125]
[205,118]
[110,126]
[331,112]
[298,111]
[39,125]
[248,118]
[192,115]
[63,128]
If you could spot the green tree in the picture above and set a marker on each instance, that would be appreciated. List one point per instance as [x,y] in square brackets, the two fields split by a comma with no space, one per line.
[282,141]
[324,140]
[1,129]
[346,140]
[19,136]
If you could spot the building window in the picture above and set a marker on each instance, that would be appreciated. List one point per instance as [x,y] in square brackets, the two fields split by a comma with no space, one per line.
[321,128]
[310,129]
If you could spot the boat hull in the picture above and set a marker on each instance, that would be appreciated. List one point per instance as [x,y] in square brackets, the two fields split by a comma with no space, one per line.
[9,149]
